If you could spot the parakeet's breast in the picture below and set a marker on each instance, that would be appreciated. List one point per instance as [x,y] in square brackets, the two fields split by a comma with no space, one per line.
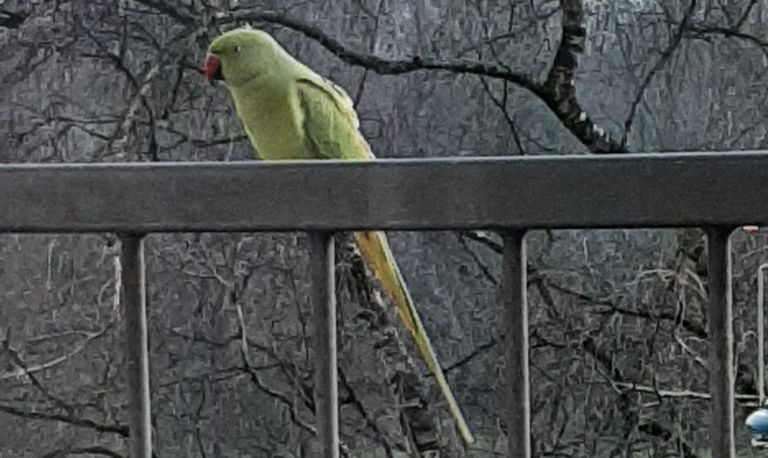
[272,120]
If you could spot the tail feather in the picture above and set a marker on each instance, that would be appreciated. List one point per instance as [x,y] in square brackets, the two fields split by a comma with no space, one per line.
[376,252]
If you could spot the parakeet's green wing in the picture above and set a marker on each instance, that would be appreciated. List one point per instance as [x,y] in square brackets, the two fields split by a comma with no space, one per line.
[330,121]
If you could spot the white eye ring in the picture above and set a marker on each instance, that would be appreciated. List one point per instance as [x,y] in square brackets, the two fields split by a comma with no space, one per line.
[237,48]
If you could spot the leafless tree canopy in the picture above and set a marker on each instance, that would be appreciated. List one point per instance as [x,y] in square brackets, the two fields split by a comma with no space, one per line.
[618,329]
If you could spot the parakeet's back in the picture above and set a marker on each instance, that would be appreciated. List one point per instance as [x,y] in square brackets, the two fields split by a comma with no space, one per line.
[299,116]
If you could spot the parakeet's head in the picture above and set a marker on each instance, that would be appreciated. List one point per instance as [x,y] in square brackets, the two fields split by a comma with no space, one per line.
[239,55]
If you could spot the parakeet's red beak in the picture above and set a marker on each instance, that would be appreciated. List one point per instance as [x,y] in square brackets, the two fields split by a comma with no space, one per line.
[212,68]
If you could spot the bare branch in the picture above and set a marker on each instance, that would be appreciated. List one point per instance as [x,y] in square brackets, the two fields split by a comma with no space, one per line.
[95,450]
[68,419]
[560,95]
[677,394]
[12,20]
[23,370]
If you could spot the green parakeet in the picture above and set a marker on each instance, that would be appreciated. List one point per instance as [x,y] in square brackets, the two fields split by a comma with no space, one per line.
[290,112]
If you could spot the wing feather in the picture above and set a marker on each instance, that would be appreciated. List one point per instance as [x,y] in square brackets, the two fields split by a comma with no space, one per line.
[330,122]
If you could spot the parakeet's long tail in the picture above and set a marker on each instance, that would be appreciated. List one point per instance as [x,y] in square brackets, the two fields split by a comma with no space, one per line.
[376,252]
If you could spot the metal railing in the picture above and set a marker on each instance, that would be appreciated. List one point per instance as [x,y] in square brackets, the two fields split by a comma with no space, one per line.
[718,192]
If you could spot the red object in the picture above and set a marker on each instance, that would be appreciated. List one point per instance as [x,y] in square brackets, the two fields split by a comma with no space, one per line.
[212,68]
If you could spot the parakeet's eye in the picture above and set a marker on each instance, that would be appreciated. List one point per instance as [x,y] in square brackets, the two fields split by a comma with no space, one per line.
[237,48]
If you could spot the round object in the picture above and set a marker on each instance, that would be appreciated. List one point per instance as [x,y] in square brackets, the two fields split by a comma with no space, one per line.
[757,422]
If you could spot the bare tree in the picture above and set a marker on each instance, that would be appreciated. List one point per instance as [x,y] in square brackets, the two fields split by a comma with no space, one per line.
[618,317]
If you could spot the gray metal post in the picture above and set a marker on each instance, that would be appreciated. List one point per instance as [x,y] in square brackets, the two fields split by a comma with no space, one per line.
[720,317]
[133,292]
[326,376]
[761,331]
[517,399]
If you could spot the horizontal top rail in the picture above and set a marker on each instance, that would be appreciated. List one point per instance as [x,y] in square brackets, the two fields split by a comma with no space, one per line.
[609,191]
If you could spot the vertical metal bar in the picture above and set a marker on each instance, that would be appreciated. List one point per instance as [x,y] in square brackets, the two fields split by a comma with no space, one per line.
[517,402]
[721,343]
[133,291]
[326,376]
[761,332]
